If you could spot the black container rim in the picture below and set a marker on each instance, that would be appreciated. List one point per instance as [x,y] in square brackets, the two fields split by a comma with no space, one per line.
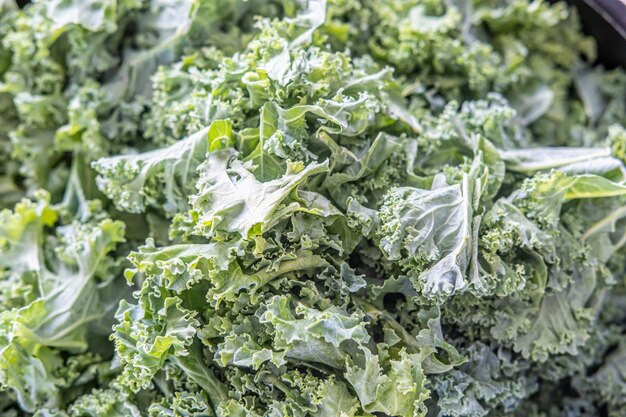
[612,11]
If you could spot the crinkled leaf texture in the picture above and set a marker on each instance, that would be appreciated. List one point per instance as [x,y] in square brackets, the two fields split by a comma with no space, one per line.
[309,208]
[70,279]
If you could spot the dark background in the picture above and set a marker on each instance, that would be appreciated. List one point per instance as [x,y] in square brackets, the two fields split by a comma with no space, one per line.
[605,20]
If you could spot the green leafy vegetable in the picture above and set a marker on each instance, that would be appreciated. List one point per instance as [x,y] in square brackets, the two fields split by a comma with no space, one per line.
[309,208]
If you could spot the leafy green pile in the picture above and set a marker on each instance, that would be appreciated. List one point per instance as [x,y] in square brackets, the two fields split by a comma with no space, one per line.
[318,208]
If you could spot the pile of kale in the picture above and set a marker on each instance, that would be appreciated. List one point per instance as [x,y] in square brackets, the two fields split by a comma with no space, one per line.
[326,208]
